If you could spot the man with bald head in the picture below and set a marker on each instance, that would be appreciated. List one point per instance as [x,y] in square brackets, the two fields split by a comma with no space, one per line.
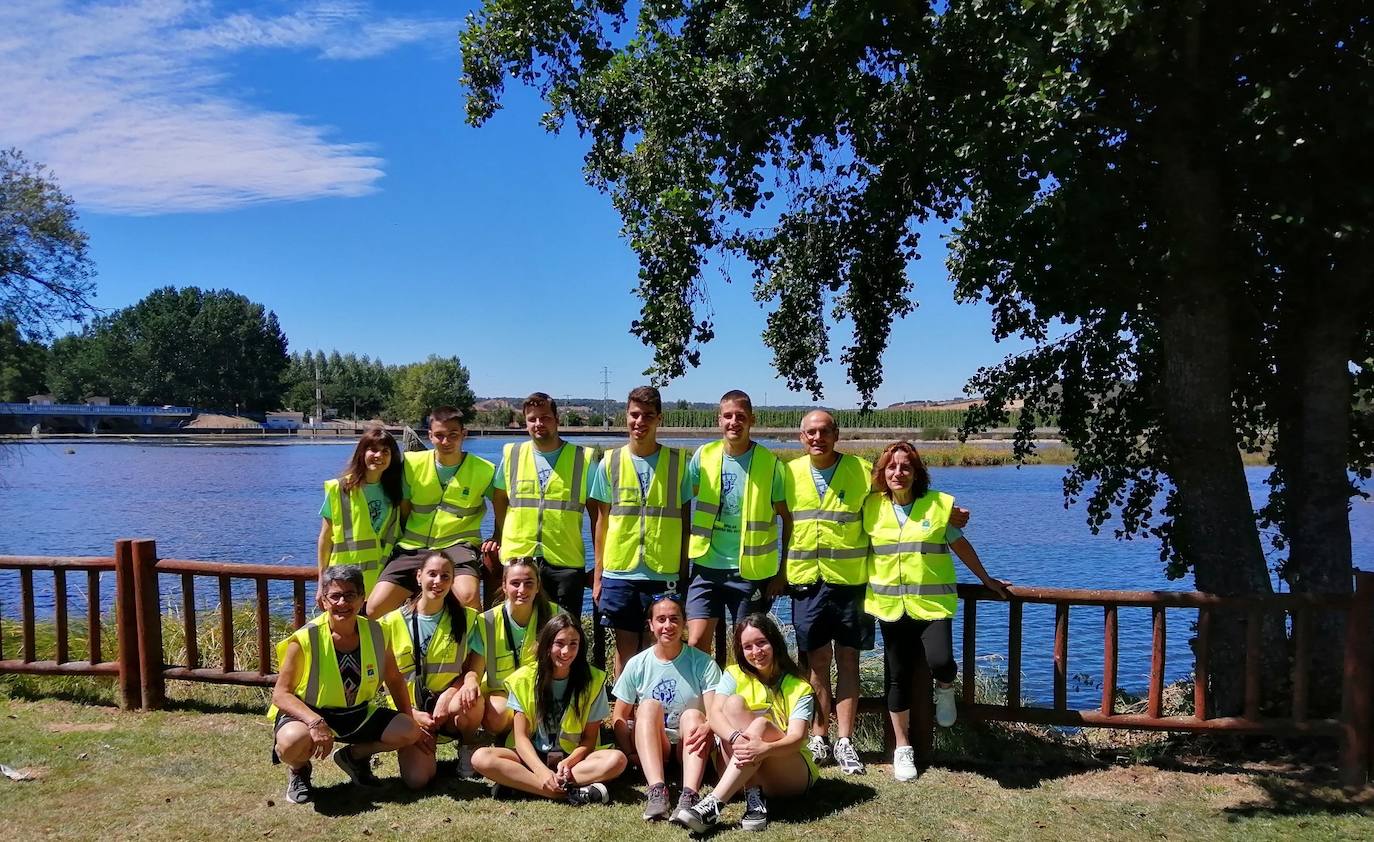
[827,575]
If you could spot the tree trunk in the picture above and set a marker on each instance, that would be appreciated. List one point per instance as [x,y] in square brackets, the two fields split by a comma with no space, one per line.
[1318,337]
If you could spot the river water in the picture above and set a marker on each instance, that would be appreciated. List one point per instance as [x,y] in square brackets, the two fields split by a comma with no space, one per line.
[261,504]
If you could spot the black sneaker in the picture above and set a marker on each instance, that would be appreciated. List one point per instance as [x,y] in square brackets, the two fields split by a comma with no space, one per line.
[755,809]
[298,789]
[657,806]
[499,792]
[589,794]
[360,771]
[704,815]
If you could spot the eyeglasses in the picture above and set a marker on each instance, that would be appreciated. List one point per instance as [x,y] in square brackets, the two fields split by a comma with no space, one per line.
[340,597]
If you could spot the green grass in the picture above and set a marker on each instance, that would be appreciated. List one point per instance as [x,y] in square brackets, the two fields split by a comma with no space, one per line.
[184,774]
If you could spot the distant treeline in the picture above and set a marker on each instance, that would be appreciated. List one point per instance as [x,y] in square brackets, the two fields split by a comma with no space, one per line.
[905,419]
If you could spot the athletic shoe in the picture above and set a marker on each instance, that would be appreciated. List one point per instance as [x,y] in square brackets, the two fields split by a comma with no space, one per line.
[847,757]
[298,789]
[657,806]
[904,764]
[465,769]
[686,801]
[589,794]
[820,749]
[755,809]
[360,771]
[704,815]
[945,710]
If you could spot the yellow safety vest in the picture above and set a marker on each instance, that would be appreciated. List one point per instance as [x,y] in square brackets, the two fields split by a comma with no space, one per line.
[644,528]
[318,682]
[545,521]
[441,516]
[355,541]
[496,649]
[443,659]
[758,552]
[910,570]
[520,686]
[828,540]
[775,703]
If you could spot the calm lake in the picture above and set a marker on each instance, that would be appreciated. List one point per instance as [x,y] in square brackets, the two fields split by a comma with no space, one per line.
[261,504]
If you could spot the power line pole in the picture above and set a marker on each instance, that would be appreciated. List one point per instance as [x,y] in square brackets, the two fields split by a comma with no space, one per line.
[606,396]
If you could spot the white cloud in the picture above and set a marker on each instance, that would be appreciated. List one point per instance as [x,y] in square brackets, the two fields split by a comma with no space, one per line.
[126,104]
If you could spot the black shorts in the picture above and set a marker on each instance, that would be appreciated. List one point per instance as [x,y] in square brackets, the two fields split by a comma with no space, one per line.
[565,586]
[351,725]
[625,603]
[404,563]
[822,612]
[713,593]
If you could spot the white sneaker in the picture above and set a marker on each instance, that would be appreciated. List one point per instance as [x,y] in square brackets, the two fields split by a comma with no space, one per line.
[820,749]
[847,758]
[945,710]
[465,769]
[904,764]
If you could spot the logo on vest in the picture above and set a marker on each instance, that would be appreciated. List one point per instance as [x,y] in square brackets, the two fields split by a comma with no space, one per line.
[371,672]
[925,523]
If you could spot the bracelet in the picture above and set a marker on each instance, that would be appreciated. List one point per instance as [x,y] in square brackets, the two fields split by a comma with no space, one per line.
[735,736]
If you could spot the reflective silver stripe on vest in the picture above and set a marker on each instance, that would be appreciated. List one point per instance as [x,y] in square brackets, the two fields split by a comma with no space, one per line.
[650,511]
[764,549]
[489,621]
[459,511]
[701,531]
[824,514]
[442,666]
[924,547]
[560,505]
[423,508]
[757,525]
[839,554]
[568,736]
[312,681]
[915,590]
[374,564]
[708,508]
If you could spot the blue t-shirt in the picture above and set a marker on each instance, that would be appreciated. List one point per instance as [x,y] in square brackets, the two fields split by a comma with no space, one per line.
[544,464]
[545,737]
[903,513]
[378,506]
[725,540]
[803,709]
[601,490]
[678,684]
[823,476]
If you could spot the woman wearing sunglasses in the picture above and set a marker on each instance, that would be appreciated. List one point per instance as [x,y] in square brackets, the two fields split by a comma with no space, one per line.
[661,700]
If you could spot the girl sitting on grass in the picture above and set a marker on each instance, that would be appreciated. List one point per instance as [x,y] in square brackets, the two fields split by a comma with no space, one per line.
[429,636]
[762,713]
[557,705]
[661,699]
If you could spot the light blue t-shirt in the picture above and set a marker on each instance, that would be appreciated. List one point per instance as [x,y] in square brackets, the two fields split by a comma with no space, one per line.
[517,635]
[543,464]
[378,507]
[903,513]
[678,684]
[823,476]
[545,737]
[424,625]
[601,490]
[803,709]
[724,551]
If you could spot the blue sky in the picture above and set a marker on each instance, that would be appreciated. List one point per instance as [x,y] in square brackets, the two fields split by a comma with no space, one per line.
[314,158]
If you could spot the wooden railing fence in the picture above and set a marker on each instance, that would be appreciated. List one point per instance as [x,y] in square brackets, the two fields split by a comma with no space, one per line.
[141,671]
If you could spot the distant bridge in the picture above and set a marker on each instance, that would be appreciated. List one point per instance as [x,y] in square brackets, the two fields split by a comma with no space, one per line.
[90,414]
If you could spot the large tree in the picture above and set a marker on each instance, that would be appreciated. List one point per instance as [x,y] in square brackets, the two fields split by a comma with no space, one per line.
[45,275]
[22,362]
[1172,201]
[438,381]
[204,348]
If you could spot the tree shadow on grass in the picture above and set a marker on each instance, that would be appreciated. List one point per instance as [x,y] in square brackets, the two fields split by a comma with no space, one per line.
[828,796]
[1016,757]
[1286,796]
[348,799]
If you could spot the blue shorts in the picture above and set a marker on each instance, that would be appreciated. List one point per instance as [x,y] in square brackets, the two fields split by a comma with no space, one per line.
[625,603]
[713,593]
[822,612]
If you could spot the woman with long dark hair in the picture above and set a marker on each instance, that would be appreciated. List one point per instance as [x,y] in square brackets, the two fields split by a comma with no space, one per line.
[429,636]
[503,638]
[361,516]
[558,703]
[762,713]
[912,588]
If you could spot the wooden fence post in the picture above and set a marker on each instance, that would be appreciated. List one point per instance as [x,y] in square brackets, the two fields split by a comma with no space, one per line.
[1357,708]
[149,604]
[126,627]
